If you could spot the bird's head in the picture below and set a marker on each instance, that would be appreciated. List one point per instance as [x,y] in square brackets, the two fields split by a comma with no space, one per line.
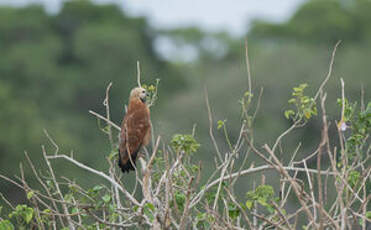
[139,93]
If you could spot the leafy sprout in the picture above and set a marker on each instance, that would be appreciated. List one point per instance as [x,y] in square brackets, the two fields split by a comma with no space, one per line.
[305,106]
[184,142]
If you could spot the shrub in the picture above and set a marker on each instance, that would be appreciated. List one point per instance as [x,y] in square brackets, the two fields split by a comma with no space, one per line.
[171,195]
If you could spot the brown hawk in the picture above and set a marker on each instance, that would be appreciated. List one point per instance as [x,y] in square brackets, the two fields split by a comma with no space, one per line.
[135,129]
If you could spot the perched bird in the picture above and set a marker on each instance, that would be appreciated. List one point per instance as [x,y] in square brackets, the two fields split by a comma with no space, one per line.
[135,129]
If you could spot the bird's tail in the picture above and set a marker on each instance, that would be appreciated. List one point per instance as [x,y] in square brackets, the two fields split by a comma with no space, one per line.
[127,166]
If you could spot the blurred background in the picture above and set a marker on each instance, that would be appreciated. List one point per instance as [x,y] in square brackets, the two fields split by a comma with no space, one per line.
[57,57]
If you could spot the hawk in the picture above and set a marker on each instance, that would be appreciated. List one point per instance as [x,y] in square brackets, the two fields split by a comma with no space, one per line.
[135,129]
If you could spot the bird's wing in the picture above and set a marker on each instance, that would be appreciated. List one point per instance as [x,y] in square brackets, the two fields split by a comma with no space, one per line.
[134,131]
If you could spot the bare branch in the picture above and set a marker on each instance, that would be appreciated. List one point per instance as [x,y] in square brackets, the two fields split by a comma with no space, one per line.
[108,115]
[105,119]
[138,74]
[211,126]
[96,172]
[329,70]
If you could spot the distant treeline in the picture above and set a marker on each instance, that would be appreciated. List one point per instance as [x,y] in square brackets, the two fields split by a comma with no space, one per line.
[322,21]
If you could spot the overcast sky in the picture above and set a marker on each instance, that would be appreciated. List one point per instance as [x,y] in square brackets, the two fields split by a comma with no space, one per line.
[212,15]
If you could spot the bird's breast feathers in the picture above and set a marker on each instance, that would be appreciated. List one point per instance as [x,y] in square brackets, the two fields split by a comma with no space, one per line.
[136,125]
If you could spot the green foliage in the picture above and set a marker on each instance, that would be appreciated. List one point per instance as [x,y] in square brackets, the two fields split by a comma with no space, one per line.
[263,195]
[368,215]
[148,209]
[180,199]
[106,198]
[221,124]
[152,92]
[6,225]
[23,215]
[353,178]
[360,124]
[184,142]
[349,109]
[305,106]
[30,194]
[233,211]
[160,163]
[75,54]
[211,194]
[203,221]
[322,22]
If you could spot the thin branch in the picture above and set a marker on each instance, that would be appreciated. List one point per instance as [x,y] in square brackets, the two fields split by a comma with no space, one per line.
[253,170]
[138,74]
[108,115]
[211,126]
[248,68]
[321,146]
[106,120]
[65,209]
[329,70]
[183,225]
[96,172]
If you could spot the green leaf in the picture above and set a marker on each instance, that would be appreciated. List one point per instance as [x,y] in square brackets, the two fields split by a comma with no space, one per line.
[68,197]
[113,154]
[288,113]
[220,124]
[147,211]
[307,114]
[152,88]
[150,206]
[186,143]
[303,86]
[106,198]
[74,210]
[353,178]
[233,211]
[249,204]
[297,89]
[73,188]
[22,211]
[180,200]
[270,209]
[248,94]
[28,213]
[97,188]
[6,225]
[30,194]
[264,191]
[47,210]
[292,101]
[262,201]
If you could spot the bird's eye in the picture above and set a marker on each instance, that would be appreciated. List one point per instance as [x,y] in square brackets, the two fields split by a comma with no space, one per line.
[143,91]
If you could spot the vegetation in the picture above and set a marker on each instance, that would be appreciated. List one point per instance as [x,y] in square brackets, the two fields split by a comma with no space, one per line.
[171,196]
[235,169]
[53,68]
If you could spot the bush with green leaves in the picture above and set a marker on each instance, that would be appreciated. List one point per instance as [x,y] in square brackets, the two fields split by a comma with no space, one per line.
[172,191]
